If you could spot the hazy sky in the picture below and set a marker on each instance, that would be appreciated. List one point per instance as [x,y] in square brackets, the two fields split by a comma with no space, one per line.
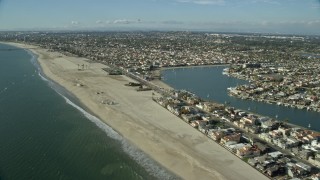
[283,16]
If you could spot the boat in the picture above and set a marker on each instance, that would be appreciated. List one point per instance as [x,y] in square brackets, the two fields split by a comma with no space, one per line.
[225,71]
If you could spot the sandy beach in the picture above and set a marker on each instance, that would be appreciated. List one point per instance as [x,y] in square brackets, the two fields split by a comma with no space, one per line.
[161,135]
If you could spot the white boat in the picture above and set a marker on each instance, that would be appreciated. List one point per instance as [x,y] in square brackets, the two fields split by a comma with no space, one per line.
[225,71]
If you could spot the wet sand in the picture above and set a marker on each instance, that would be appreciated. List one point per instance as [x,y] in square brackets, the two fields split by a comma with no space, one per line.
[161,135]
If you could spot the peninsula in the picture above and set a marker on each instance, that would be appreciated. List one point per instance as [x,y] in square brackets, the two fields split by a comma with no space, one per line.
[164,133]
[157,132]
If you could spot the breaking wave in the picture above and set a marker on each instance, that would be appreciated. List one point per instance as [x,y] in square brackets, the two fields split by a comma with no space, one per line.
[137,155]
[42,77]
[141,158]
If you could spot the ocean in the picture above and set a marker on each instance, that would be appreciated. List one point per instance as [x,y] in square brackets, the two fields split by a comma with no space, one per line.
[210,84]
[45,134]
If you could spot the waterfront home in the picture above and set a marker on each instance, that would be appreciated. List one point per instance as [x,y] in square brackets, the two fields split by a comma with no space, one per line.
[173,108]
[219,113]
[210,107]
[190,117]
[232,137]
[284,130]
[192,100]
[248,151]
[200,105]
[204,127]
[217,134]
[249,119]
[236,146]
[269,124]
[186,109]
[276,170]
[197,123]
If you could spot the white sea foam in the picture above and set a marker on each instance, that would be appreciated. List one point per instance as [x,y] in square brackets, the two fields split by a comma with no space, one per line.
[141,158]
[2,91]
[42,77]
[137,155]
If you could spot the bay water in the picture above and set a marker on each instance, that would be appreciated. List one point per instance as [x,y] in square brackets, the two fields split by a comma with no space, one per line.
[210,84]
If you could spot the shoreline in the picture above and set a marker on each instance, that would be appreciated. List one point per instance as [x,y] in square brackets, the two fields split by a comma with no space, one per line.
[193,66]
[291,124]
[155,131]
[162,84]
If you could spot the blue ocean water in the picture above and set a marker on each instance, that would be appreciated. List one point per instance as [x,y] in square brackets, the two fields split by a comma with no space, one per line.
[209,83]
[44,134]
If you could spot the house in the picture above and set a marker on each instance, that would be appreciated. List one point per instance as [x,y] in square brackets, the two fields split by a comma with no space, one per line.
[267,124]
[315,176]
[252,161]
[235,147]
[265,137]
[276,170]
[217,135]
[315,161]
[190,117]
[265,165]
[196,123]
[209,107]
[305,154]
[262,147]
[204,127]
[291,142]
[304,166]
[253,129]
[233,137]
[276,154]
[248,151]
[284,130]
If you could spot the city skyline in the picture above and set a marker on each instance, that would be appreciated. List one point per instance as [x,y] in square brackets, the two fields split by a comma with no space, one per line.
[262,16]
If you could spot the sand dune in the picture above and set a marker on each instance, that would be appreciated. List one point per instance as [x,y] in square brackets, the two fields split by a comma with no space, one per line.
[160,134]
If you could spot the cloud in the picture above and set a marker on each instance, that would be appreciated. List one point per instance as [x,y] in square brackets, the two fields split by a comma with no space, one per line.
[99,22]
[203,2]
[314,22]
[309,23]
[275,2]
[126,21]
[121,21]
[75,22]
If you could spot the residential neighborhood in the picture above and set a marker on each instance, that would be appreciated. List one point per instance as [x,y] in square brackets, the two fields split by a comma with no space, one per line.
[283,70]
[274,148]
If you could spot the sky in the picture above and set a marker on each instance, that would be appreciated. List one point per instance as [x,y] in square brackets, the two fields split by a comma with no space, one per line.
[266,16]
